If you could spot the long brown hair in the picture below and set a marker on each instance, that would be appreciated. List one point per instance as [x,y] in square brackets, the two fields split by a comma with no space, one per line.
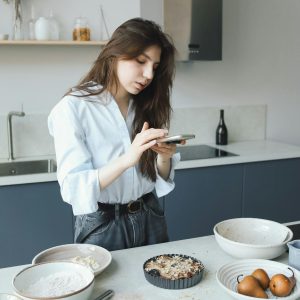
[151,105]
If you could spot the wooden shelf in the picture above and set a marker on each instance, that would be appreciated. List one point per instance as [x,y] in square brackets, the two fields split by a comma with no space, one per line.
[52,43]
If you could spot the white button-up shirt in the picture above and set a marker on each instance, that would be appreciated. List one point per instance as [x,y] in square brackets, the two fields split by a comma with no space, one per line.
[88,133]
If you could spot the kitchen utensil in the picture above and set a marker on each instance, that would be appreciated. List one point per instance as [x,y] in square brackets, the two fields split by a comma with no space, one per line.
[99,257]
[252,238]
[227,276]
[294,254]
[106,295]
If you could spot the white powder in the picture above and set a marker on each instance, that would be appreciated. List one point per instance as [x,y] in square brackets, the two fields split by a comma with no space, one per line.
[56,284]
[88,261]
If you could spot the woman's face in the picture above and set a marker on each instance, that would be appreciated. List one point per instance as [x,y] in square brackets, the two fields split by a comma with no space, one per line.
[136,74]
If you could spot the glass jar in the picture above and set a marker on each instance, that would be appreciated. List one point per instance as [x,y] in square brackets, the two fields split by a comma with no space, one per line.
[81,31]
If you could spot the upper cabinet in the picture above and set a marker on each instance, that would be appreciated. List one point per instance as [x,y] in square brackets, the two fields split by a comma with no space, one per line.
[194,25]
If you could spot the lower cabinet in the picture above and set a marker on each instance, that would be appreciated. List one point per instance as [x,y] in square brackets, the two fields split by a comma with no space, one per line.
[272,190]
[205,196]
[202,197]
[33,217]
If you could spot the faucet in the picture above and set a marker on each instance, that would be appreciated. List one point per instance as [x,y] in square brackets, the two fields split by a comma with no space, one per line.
[9,131]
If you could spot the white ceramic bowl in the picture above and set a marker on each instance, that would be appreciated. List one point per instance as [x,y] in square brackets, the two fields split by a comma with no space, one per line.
[9,297]
[54,280]
[101,258]
[227,276]
[252,238]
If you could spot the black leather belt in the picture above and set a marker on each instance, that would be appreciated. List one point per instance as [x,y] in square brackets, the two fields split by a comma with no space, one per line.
[131,207]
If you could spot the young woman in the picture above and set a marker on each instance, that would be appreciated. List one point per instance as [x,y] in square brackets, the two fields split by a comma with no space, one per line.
[105,132]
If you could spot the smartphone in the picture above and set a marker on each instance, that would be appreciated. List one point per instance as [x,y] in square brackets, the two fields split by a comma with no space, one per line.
[176,139]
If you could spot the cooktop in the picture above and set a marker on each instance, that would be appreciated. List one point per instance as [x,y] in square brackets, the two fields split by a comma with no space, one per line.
[201,152]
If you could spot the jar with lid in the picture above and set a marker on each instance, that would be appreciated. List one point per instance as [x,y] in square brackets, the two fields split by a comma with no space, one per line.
[81,31]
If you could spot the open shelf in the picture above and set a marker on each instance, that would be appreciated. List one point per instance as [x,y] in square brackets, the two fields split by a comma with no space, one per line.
[52,43]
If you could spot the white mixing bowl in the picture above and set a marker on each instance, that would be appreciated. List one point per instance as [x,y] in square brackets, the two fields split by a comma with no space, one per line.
[54,280]
[252,238]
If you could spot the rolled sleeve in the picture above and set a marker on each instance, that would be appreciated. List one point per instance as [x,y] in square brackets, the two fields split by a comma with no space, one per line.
[162,186]
[76,175]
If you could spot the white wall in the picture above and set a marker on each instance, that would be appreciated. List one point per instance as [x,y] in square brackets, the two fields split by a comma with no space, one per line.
[261,65]
[261,62]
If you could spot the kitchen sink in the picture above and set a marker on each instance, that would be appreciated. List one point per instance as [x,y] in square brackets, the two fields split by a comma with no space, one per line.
[27,167]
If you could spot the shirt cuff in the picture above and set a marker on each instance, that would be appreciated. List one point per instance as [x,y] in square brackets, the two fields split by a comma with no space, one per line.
[82,191]
[162,186]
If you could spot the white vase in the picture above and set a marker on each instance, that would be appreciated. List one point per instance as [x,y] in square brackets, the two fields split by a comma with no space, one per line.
[42,29]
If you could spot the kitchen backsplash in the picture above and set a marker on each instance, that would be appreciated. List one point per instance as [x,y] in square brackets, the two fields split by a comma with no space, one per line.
[31,137]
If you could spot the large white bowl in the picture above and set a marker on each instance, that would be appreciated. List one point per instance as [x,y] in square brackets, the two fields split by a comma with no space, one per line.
[227,276]
[252,238]
[69,252]
[42,275]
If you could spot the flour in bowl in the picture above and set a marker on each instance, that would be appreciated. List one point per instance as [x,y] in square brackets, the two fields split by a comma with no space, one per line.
[88,261]
[56,284]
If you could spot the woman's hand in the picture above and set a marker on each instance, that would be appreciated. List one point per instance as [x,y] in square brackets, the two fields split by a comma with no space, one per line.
[164,153]
[142,142]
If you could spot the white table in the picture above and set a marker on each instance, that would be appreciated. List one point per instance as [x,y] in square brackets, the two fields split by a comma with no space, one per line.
[125,274]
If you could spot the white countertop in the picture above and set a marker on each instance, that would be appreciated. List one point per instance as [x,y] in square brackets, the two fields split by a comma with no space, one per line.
[247,151]
[125,274]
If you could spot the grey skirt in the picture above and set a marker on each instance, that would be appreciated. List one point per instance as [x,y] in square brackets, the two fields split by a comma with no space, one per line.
[126,230]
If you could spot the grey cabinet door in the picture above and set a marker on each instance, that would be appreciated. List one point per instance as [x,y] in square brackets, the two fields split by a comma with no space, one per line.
[272,190]
[33,217]
[203,197]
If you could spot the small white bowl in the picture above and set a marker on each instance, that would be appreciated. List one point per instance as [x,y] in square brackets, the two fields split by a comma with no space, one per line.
[9,297]
[227,276]
[55,280]
[252,238]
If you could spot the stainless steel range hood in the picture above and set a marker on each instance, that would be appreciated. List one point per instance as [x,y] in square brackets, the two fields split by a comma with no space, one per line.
[194,25]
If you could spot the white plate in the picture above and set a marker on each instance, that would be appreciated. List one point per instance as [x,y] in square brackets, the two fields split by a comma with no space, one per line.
[227,275]
[69,251]
[9,297]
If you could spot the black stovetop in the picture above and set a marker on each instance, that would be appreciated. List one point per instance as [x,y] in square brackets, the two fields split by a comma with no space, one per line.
[201,152]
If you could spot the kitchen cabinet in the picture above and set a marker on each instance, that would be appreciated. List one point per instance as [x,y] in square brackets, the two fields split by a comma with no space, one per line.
[272,190]
[203,197]
[195,26]
[33,217]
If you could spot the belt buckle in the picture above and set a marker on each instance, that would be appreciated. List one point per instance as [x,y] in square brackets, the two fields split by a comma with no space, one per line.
[130,207]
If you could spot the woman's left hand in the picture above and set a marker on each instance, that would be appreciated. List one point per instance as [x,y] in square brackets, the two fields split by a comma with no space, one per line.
[165,150]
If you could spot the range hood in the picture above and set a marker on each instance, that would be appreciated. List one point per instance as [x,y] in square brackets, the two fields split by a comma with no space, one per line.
[194,25]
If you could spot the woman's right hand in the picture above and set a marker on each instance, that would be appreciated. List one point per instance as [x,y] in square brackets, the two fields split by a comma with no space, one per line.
[142,142]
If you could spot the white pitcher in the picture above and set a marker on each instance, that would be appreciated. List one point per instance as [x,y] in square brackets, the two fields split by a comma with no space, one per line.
[42,29]
[294,254]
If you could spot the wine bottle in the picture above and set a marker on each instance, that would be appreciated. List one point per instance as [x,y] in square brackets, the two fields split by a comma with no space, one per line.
[221,132]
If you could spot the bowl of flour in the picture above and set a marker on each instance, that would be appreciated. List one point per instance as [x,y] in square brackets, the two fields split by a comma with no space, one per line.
[55,280]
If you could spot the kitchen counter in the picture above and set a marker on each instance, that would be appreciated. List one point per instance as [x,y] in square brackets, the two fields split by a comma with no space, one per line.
[125,274]
[247,151]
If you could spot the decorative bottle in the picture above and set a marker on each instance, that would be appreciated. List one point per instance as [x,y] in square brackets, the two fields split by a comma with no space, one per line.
[54,27]
[31,25]
[221,132]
